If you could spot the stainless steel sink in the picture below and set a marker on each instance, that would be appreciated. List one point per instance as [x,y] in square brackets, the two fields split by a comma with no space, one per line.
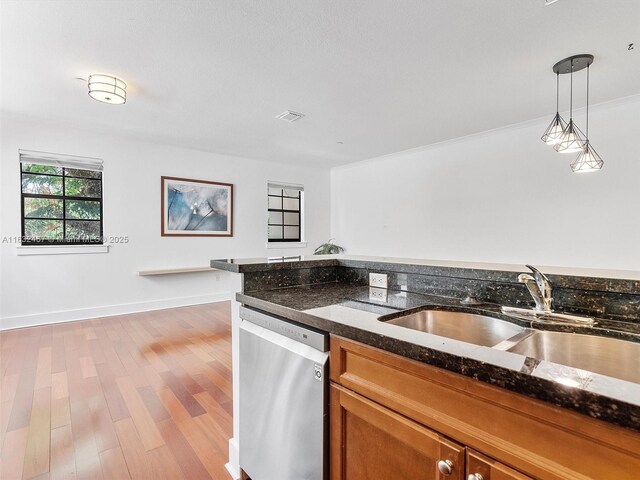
[604,355]
[467,327]
[607,356]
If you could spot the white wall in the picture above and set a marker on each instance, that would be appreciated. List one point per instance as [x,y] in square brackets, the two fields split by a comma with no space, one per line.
[37,289]
[501,196]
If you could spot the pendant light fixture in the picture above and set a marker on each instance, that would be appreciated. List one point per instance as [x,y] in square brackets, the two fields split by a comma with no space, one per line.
[107,89]
[572,140]
[588,160]
[556,128]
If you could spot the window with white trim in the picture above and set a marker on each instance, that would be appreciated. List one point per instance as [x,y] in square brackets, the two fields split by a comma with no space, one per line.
[285,211]
[61,199]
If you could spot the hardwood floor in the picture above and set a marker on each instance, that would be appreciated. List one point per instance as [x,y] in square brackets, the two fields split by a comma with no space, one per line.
[141,396]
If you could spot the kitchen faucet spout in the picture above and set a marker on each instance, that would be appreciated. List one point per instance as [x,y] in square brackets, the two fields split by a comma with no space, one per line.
[539,287]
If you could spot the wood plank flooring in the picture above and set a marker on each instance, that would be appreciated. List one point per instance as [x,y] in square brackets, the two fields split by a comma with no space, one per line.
[141,396]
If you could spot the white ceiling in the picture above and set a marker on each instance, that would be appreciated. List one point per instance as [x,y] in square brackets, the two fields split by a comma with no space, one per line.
[380,76]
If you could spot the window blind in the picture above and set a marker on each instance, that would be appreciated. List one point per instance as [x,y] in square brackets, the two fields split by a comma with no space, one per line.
[286,186]
[57,160]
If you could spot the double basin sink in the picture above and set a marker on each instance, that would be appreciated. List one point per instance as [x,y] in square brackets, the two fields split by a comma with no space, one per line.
[603,355]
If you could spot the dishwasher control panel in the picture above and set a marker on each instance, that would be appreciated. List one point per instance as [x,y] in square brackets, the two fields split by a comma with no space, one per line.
[317,340]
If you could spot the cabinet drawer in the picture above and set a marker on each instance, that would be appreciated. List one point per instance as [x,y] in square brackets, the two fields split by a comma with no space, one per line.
[528,435]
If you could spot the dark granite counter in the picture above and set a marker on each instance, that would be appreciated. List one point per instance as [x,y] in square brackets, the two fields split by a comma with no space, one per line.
[620,281]
[613,295]
[347,310]
[331,293]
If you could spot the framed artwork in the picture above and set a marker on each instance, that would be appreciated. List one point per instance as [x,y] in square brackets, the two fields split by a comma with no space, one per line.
[196,208]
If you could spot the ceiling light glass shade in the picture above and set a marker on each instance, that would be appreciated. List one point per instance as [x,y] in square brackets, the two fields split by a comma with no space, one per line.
[555,130]
[107,89]
[571,141]
[588,160]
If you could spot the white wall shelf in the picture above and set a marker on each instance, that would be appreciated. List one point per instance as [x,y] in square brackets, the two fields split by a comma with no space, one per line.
[285,245]
[60,249]
[170,271]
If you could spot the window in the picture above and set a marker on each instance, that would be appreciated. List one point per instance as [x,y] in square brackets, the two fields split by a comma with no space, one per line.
[61,199]
[285,212]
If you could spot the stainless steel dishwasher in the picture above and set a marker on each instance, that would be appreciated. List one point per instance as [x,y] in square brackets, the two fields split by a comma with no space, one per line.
[283,400]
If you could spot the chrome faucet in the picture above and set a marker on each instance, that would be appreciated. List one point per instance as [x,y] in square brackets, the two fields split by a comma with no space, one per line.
[539,287]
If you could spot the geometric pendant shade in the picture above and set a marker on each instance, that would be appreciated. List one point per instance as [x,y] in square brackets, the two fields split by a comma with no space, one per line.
[553,134]
[571,141]
[588,160]
[556,128]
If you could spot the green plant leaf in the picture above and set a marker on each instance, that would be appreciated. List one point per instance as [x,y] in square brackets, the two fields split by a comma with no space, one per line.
[328,248]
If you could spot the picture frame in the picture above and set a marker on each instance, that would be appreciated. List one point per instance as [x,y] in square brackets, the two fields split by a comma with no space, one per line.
[196,208]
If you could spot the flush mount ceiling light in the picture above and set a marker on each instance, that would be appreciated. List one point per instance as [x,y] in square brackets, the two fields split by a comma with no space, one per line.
[107,88]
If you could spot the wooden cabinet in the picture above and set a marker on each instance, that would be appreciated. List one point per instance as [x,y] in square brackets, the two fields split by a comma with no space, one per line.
[481,467]
[392,417]
[369,441]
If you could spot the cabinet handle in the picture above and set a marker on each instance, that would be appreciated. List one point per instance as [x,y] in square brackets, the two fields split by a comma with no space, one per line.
[475,476]
[445,467]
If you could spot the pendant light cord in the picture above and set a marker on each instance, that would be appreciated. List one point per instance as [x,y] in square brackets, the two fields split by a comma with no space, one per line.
[571,95]
[587,103]
[557,92]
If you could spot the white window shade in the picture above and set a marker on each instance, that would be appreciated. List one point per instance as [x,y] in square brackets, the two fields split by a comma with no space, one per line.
[286,186]
[66,161]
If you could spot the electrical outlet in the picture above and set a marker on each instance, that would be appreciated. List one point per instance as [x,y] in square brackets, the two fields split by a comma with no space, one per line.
[378,294]
[378,280]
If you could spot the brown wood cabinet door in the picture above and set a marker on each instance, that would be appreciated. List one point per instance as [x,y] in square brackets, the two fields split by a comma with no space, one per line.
[371,442]
[481,467]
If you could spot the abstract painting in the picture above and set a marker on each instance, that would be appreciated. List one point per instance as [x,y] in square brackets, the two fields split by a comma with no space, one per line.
[195,208]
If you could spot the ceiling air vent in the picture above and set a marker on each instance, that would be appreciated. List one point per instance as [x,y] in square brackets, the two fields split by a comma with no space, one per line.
[290,116]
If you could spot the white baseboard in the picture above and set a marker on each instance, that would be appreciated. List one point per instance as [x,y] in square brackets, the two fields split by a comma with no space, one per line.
[8,323]
[233,467]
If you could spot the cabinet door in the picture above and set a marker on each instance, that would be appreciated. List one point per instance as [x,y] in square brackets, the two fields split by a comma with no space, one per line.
[369,441]
[481,467]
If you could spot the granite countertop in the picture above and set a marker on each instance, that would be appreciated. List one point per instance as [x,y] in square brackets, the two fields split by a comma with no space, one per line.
[616,280]
[347,310]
